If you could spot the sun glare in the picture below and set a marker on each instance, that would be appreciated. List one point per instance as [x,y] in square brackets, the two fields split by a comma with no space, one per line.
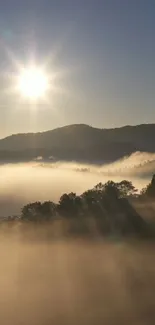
[33,83]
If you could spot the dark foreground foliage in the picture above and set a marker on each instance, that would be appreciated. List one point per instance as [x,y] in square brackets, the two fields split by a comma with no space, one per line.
[107,209]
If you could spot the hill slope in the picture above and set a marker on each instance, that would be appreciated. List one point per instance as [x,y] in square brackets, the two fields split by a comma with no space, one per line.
[79,142]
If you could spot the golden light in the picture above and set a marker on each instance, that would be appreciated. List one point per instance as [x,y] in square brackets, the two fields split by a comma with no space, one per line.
[33,83]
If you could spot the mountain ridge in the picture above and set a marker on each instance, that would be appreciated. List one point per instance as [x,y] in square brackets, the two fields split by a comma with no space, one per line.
[80,142]
[127,126]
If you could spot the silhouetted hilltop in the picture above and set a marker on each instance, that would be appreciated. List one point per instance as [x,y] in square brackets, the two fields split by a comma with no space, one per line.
[79,142]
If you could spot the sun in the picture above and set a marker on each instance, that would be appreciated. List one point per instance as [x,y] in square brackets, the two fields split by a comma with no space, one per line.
[33,83]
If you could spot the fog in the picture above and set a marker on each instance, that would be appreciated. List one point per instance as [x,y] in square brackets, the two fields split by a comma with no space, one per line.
[76,282]
[38,181]
[47,278]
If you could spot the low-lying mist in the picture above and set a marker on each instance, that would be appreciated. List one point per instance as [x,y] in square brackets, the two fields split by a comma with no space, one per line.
[38,181]
[76,282]
[48,275]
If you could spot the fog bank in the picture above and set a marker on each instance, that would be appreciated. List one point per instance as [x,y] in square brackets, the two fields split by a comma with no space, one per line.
[80,283]
[37,181]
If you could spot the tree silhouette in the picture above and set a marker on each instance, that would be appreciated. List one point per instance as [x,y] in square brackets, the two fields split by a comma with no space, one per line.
[31,211]
[38,211]
[69,205]
[107,205]
[149,191]
[126,189]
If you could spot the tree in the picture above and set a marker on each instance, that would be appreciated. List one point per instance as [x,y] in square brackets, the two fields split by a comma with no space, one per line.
[149,190]
[69,205]
[38,211]
[31,211]
[112,190]
[143,192]
[48,210]
[120,190]
[126,189]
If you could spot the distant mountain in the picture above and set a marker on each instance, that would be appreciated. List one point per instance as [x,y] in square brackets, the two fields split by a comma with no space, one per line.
[79,142]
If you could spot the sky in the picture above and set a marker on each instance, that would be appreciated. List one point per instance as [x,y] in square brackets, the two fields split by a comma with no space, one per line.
[102,52]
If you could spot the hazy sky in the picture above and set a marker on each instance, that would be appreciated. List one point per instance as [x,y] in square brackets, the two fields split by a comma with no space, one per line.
[103,50]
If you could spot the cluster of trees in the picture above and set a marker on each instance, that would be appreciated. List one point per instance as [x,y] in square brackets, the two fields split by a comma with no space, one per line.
[94,201]
[108,204]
